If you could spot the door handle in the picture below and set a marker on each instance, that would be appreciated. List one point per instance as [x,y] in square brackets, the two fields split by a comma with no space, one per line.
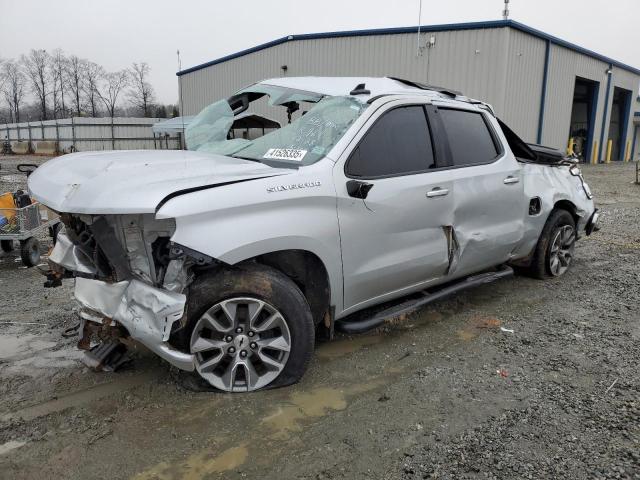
[509,180]
[437,192]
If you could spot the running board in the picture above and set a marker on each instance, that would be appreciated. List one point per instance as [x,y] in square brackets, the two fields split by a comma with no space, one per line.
[362,326]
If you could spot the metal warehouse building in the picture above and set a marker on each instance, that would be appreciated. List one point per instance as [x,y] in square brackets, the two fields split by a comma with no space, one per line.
[548,90]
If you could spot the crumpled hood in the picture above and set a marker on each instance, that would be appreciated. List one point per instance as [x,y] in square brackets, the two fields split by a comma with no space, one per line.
[134,181]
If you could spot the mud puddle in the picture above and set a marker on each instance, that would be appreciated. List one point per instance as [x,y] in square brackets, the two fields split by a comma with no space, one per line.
[270,432]
[11,445]
[80,398]
[16,347]
[346,346]
[34,356]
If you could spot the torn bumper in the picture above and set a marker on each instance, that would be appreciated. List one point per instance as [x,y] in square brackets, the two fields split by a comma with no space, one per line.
[70,257]
[147,312]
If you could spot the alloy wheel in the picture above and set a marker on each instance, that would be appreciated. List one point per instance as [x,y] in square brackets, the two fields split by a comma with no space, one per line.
[241,344]
[561,252]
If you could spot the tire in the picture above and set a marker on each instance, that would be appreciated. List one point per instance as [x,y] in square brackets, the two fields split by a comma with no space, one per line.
[220,307]
[30,252]
[6,245]
[556,244]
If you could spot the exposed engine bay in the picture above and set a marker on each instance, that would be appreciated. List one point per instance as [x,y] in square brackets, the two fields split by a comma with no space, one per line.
[127,270]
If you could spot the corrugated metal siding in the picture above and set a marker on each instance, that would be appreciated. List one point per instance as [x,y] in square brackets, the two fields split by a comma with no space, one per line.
[88,134]
[463,60]
[525,72]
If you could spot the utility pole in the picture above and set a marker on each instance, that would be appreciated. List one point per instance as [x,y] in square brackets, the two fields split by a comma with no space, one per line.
[183,140]
[419,26]
[505,12]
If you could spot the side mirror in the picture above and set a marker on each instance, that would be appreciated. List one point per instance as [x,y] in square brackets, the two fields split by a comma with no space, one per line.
[358,189]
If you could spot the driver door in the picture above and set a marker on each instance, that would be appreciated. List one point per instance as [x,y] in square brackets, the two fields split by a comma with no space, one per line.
[392,208]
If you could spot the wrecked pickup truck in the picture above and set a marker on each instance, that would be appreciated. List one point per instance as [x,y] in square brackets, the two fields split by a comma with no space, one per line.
[230,258]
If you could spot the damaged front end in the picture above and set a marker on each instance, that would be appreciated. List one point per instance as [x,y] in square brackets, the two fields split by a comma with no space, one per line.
[130,280]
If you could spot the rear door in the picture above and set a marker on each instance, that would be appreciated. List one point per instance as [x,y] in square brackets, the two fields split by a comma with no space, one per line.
[392,240]
[489,202]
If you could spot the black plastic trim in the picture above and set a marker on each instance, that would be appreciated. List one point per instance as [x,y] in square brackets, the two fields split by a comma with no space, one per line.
[409,306]
[179,193]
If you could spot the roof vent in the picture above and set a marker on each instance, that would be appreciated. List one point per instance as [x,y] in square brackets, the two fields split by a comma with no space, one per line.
[360,90]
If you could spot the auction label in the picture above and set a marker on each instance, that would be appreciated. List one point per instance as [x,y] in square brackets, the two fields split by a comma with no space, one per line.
[285,154]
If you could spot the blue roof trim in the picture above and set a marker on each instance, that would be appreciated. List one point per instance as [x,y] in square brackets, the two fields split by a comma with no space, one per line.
[571,46]
[427,28]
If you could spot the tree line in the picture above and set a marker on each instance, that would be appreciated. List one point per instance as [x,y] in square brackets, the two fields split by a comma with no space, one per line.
[44,86]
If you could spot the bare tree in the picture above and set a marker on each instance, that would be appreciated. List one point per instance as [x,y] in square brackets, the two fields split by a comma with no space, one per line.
[57,71]
[141,94]
[3,80]
[36,67]
[112,86]
[13,87]
[92,73]
[74,80]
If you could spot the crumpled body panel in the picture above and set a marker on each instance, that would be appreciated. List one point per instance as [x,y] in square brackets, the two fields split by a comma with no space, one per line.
[147,313]
[69,256]
[551,185]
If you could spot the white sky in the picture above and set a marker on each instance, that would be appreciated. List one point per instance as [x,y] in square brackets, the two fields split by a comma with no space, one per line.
[116,33]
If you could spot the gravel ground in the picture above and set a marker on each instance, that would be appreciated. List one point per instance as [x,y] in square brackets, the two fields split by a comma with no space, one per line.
[518,379]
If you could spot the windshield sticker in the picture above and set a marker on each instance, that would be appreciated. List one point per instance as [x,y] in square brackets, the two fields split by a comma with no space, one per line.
[291,154]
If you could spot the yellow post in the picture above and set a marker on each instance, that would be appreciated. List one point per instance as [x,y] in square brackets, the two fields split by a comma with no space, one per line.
[570,146]
[594,159]
[627,151]
[609,148]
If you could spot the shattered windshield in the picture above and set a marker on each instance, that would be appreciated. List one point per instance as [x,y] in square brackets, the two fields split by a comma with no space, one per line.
[312,125]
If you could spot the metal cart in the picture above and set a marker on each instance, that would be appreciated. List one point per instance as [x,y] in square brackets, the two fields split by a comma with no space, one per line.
[26,225]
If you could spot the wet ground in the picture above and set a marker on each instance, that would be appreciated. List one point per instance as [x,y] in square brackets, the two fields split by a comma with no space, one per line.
[518,379]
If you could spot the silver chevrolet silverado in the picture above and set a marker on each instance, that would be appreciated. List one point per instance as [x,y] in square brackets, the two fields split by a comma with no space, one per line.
[231,257]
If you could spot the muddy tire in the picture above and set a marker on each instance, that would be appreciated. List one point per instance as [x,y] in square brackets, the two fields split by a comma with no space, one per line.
[30,252]
[554,252]
[6,245]
[249,328]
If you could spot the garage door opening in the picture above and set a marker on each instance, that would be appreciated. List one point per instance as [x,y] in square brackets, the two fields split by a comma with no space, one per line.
[619,122]
[583,116]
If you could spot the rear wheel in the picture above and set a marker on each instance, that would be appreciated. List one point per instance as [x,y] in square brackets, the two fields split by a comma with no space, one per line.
[556,246]
[249,328]
[6,245]
[30,252]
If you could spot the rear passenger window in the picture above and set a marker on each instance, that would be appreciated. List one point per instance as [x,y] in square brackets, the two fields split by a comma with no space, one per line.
[398,143]
[469,137]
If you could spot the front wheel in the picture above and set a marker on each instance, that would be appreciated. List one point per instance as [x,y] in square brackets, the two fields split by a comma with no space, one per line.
[6,245]
[555,250]
[249,328]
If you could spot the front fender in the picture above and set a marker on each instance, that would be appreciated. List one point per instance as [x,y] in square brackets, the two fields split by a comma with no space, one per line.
[237,222]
